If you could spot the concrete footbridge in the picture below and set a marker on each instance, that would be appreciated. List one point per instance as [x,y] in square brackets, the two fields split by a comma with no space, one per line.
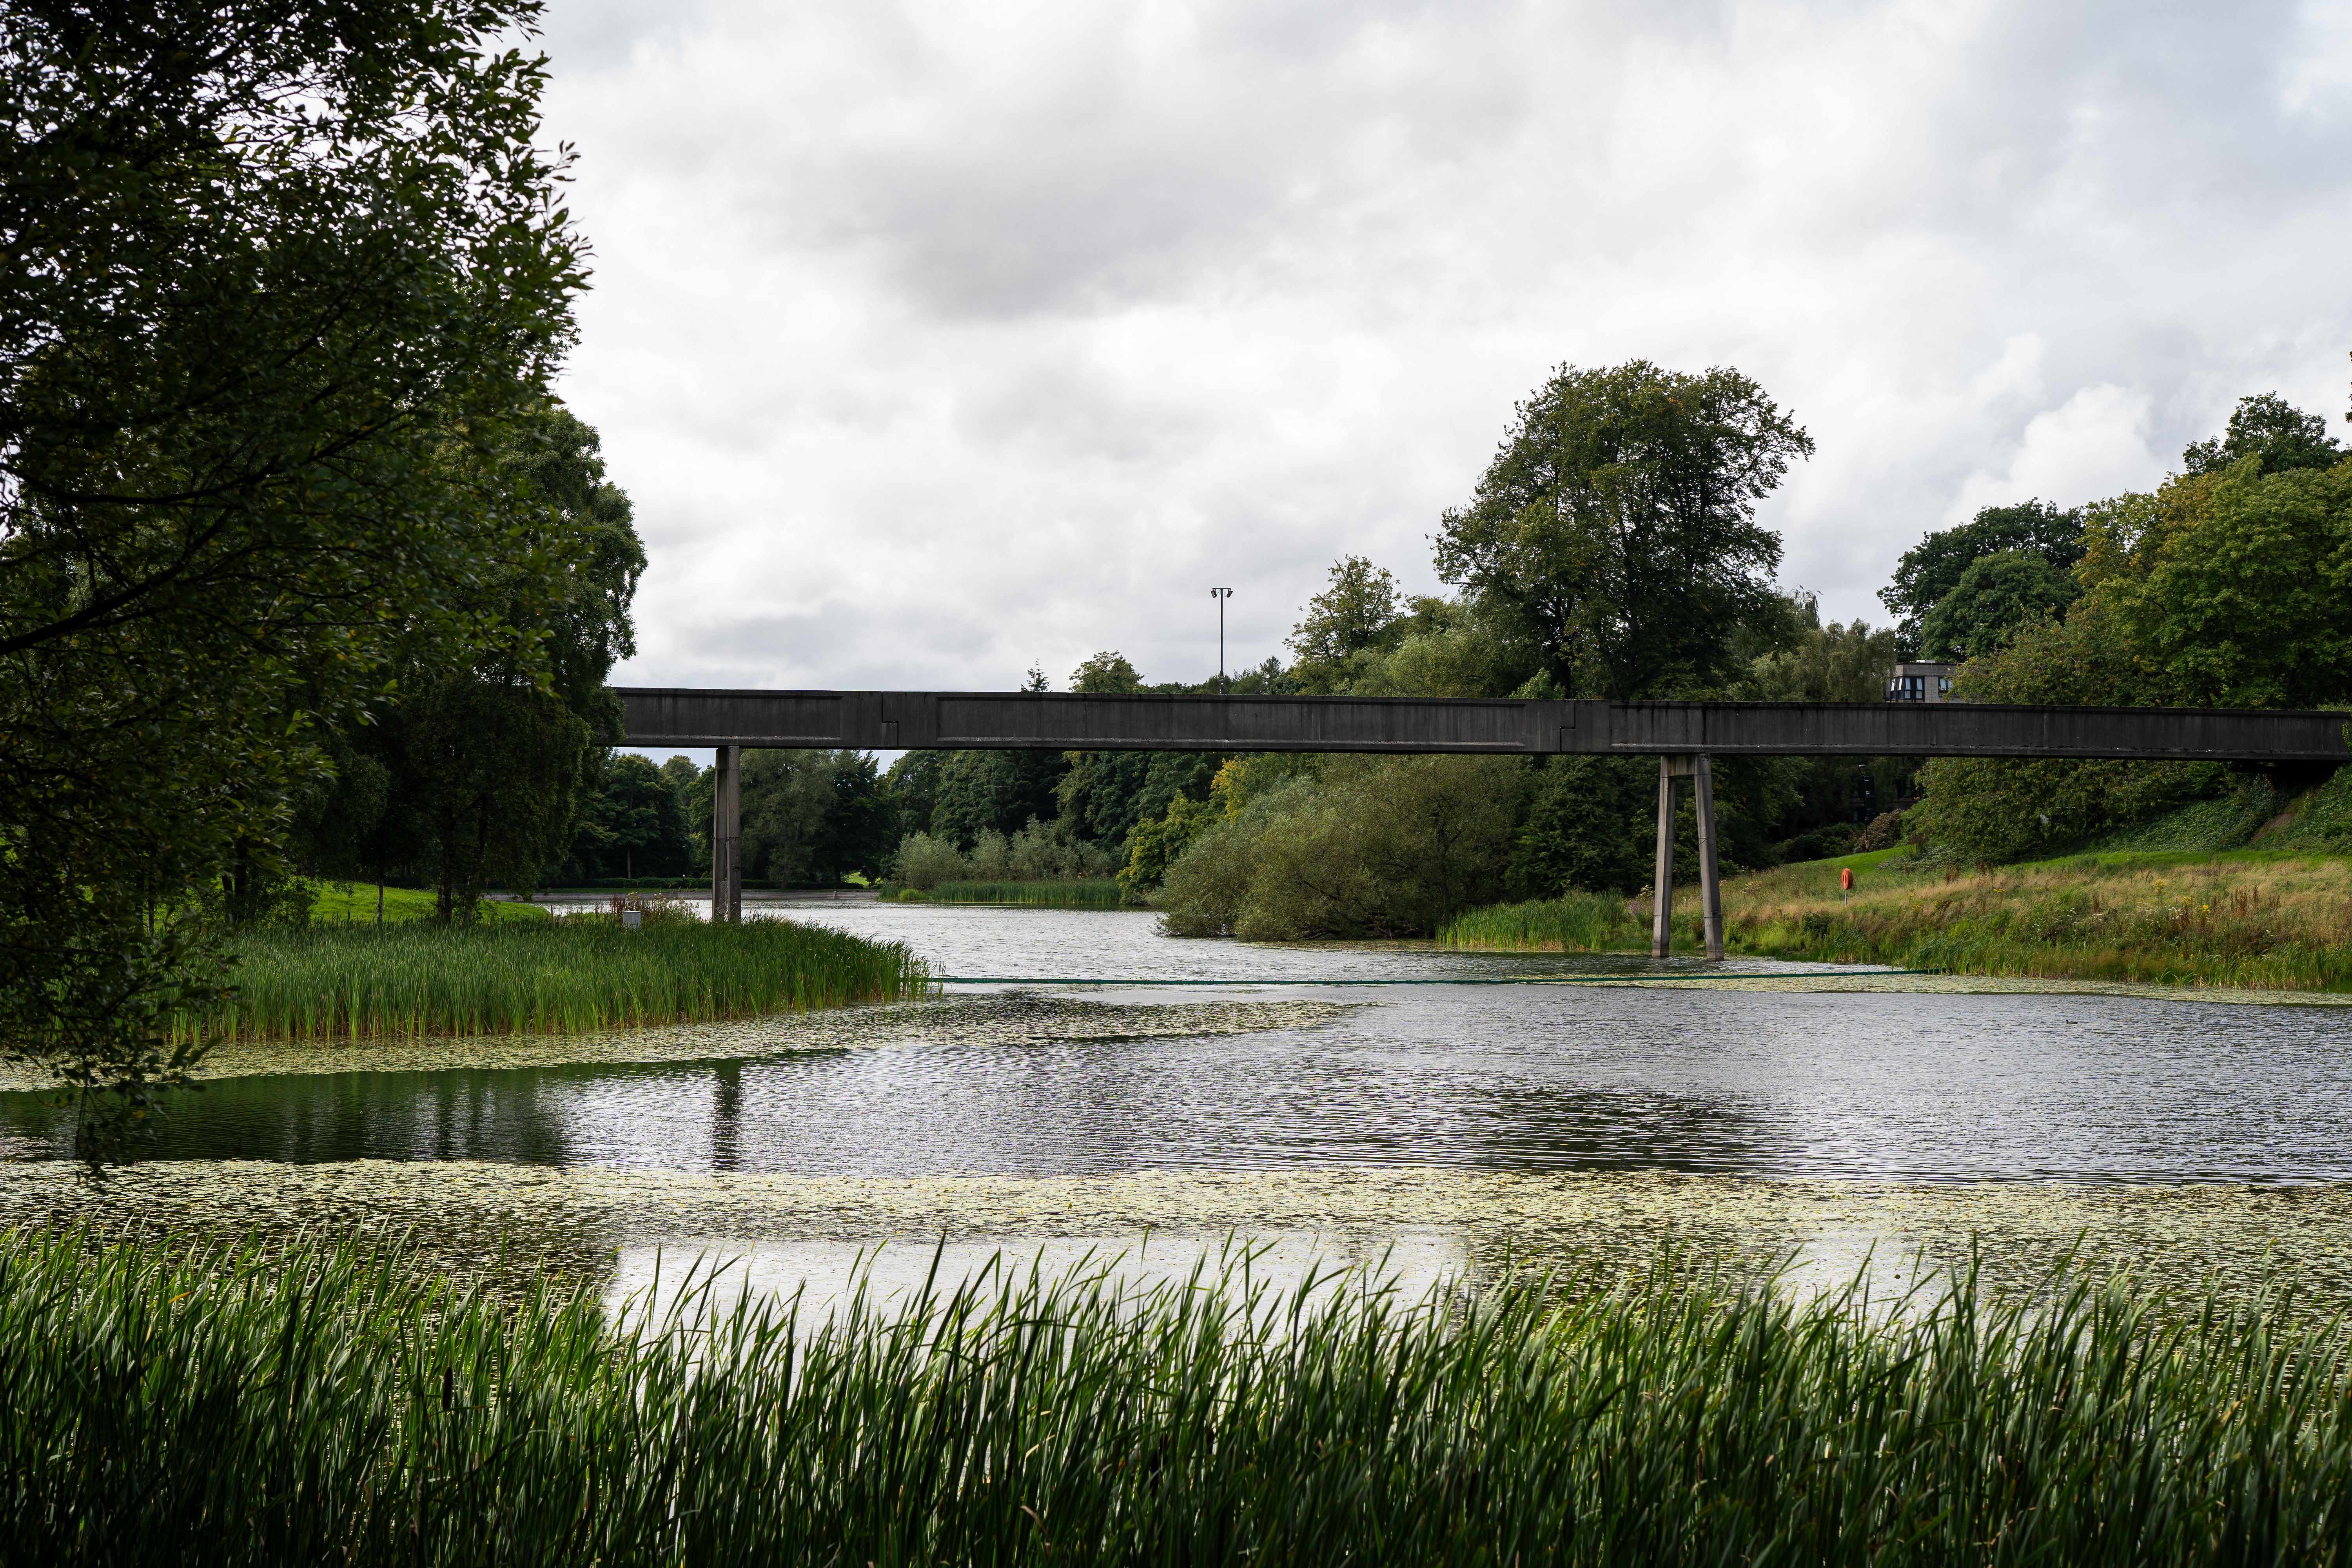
[1684,736]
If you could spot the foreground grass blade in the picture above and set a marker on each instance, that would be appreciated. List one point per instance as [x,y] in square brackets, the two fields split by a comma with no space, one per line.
[327,1406]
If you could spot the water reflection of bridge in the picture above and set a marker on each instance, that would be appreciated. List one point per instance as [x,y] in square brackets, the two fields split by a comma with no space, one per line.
[1684,736]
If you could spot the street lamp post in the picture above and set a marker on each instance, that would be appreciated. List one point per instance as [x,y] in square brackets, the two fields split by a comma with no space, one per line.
[1221,595]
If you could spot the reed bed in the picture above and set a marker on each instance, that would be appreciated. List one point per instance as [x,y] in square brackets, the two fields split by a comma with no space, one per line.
[1574,923]
[328,1408]
[337,983]
[1077,893]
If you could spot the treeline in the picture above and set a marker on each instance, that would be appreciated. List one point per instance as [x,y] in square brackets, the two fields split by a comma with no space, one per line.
[1611,551]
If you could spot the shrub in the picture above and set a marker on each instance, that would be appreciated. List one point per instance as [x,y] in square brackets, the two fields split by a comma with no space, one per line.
[925,862]
[1885,832]
[1377,846]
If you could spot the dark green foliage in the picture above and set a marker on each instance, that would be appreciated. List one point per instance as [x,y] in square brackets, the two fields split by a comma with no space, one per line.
[993,792]
[2235,589]
[1367,847]
[1934,567]
[497,770]
[811,818]
[913,782]
[1091,893]
[1616,526]
[2268,428]
[1360,613]
[1998,596]
[1106,672]
[1106,796]
[281,283]
[633,825]
[1991,810]
[1591,827]
[1159,842]
[324,1408]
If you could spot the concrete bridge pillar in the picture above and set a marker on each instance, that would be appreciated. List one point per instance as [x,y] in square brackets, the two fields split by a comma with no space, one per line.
[726,836]
[1697,768]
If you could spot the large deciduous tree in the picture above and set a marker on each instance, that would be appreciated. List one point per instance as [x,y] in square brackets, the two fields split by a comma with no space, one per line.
[1930,570]
[278,281]
[1617,525]
[2266,426]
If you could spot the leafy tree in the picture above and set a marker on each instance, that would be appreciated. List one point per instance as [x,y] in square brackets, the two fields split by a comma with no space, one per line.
[1934,567]
[1617,525]
[993,792]
[632,827]
[481,807]
[1449,648]
[1360,613]
[1589,826]
[2234,589]
[1107,672]
[1105,797]
[279,281]
[1992,810]
[1840,662]
[913,782]
[496,769]
[811,817]
[1998,596]
[1375,847]
[2268,428]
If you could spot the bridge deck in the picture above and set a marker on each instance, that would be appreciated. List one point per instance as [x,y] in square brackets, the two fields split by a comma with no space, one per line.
[980,721]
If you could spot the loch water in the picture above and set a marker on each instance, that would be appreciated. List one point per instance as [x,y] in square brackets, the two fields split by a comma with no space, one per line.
[1414,1056]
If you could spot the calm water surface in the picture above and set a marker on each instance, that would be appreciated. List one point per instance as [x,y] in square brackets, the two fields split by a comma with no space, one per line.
[1513,1076]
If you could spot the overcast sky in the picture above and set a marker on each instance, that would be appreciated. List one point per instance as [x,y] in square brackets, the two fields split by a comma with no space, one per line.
[935,340]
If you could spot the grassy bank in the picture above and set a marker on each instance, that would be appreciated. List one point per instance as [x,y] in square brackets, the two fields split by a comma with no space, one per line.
[2251,917]
[332,982]
[1089,893]
[344,1413]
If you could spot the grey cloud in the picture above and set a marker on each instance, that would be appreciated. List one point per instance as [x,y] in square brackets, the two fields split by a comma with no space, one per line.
[933,339]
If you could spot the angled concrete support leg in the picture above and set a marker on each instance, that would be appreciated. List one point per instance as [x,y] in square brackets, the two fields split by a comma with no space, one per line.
[1710,885]
[726,836]
[1662,881]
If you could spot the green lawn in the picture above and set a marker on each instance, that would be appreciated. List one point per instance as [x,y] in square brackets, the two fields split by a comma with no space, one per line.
[342,902]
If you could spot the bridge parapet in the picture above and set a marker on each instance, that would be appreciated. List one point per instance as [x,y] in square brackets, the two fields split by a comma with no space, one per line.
[989,720]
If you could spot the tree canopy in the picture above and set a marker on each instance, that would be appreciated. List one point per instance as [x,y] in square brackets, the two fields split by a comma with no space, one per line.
[1616,525]
[1995,598]
[1934,567]
[281,283]
[2268,428]
[1360,612]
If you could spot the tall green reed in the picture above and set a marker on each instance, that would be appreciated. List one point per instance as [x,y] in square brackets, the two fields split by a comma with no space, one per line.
[323,983]
[1574,923]
[1074,894]
[327,1406]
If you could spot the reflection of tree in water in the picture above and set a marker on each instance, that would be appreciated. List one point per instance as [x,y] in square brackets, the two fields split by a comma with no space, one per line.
[1554,1128]
[727,1117]
[313,1119]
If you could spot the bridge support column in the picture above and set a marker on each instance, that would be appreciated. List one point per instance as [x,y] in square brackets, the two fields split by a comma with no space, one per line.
[726,836]
[1710,885]
[1700,771]
[1661,879]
